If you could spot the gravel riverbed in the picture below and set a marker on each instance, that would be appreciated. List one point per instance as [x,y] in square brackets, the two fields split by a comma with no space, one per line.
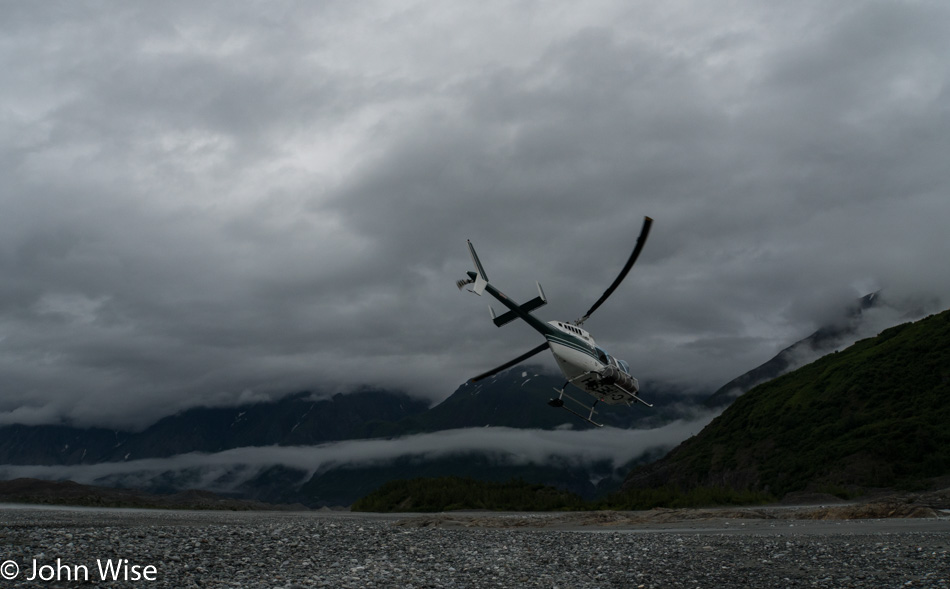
[61,547]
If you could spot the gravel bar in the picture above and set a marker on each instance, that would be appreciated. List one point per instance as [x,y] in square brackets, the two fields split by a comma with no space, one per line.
[63,547]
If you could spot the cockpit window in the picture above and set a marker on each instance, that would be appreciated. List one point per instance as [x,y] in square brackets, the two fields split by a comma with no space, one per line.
[602,354]
[624,366]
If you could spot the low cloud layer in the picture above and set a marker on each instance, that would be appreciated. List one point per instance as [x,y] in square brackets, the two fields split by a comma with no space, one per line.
[208,202]
[225,471]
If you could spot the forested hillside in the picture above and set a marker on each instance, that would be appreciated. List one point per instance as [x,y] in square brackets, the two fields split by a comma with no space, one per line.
[448,493]
[873,415]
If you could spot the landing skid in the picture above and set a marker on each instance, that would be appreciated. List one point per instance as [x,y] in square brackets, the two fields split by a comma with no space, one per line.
[559,402]
[638,399]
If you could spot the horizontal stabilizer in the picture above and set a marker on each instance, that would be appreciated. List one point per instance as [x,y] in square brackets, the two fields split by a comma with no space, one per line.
[538,301]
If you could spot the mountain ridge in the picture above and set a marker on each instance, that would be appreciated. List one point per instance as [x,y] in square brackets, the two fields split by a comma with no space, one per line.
[296,419]
[514,398]
[872,415]
[823,341]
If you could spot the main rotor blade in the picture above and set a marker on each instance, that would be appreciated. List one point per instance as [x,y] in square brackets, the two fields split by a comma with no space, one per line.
[507,365]
[644,232]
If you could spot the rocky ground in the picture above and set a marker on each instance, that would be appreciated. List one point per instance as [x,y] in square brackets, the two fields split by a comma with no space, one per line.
[697,548]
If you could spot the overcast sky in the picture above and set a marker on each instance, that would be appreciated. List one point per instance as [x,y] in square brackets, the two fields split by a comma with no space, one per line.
[207,203]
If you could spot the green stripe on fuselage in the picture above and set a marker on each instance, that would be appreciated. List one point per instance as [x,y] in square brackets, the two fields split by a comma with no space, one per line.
[572,342]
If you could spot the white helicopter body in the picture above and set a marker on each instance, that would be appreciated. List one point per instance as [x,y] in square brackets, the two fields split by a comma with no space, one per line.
[584,364]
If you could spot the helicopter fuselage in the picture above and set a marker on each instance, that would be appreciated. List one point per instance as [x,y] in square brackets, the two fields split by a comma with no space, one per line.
[583,363]
[589,367]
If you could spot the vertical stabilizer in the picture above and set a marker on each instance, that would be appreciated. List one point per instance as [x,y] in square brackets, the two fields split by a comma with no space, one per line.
[481,280]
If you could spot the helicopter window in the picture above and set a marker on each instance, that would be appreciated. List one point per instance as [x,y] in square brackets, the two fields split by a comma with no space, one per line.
[624,366]
[602,354]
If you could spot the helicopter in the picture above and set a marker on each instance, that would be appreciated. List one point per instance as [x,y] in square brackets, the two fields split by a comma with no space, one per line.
[584,364]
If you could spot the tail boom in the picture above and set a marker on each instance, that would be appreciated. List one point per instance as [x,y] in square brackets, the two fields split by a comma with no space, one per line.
[480,284]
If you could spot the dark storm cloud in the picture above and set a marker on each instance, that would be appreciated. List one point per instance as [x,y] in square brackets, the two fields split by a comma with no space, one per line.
[224,202]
